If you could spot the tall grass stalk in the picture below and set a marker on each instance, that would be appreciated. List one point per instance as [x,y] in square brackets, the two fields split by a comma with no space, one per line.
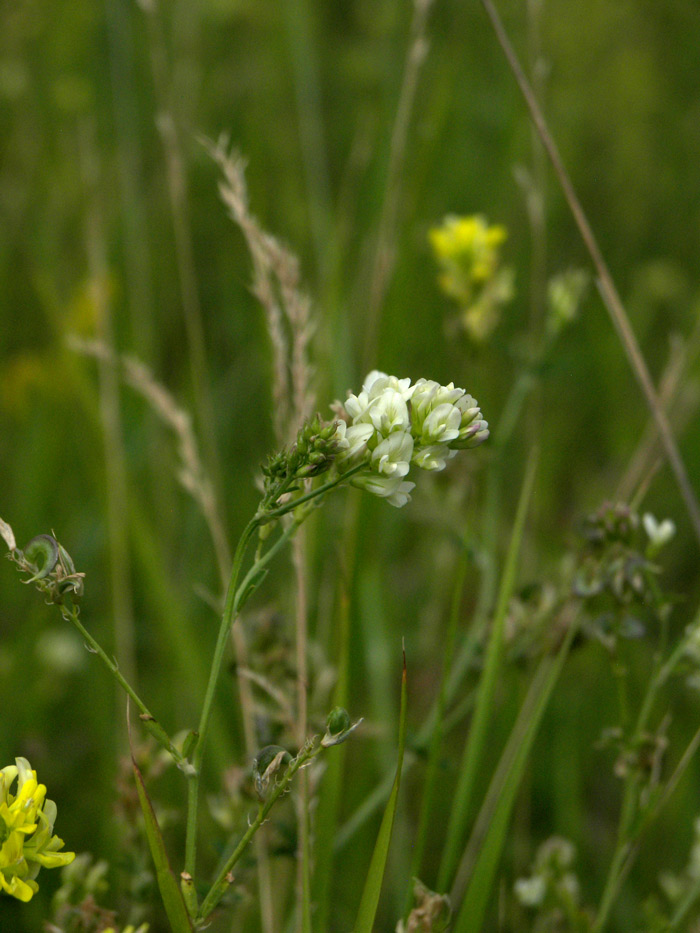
[606,285]
[176,178]
[489,833]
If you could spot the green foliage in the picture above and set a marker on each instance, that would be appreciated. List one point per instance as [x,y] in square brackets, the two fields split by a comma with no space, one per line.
[113,232]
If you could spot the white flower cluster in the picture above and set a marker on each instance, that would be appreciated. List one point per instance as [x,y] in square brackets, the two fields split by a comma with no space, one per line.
[392,424]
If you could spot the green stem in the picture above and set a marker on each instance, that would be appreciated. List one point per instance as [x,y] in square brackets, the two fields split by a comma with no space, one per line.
[70,614]
[269,514]
[619,864]
[234,596]
[222,882]
[214,673]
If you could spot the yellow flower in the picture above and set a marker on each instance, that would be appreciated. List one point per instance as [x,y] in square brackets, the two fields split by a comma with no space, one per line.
[26,831]
[468,254]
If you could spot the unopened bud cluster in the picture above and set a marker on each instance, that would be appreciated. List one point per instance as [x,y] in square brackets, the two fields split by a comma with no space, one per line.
[392,425]
[51,569]
[311,454]
[616,574]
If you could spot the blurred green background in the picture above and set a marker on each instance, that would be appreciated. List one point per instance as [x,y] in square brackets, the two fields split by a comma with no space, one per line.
[109,199]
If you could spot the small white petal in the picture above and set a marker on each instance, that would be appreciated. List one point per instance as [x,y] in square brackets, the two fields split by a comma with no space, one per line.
[659,533]
[393,455]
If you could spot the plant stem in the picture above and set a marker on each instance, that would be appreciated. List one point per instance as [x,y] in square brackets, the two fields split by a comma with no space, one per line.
[432,774]
[270,514]
[621,863]
[234,597]
[222,639]
[220,885]
[70,614]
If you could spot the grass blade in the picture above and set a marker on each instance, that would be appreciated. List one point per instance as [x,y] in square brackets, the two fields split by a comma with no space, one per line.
[473,752]
[375,875]
[494,818]
[170,893]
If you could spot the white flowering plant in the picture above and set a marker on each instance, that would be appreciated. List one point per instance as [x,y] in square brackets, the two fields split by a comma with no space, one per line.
[372,442]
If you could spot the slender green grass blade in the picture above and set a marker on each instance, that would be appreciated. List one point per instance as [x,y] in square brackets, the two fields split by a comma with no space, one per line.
[492,823]
[478,733]
[375,875]
[169,889]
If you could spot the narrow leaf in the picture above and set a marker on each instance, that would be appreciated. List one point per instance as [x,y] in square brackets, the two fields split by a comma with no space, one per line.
[478,732]
[489,832]
[375,875]
[169,888]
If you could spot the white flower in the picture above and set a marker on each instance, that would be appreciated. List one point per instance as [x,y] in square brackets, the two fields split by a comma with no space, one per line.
[377,381]
[659,533]
[374,387]
[391,488]
[356,405]
[392,456]
[530,891]
[473,435]
[388,413]
[424,393]
[442,424]
[352,443]
[433,457]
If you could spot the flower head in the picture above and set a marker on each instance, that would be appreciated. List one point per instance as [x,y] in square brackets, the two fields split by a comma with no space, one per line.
[393,424]
[467,250]
[26,831]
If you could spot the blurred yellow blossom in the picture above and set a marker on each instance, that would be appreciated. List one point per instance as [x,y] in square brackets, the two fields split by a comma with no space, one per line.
[467,250]
[26,828]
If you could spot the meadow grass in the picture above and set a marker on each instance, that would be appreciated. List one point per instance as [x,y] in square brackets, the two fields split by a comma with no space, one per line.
[519,641]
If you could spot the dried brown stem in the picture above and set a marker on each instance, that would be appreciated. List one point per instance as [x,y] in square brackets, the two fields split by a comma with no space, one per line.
[606,285]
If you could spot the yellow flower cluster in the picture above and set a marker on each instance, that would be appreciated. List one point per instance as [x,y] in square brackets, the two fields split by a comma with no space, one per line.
[27,842]
[467,250]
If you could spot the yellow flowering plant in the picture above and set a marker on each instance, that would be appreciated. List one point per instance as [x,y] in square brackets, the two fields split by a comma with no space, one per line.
[467,250]
[26,830]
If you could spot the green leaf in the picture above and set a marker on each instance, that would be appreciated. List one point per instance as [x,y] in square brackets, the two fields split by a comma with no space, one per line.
[375,875]
[488,836]
[169,888]
[479,729]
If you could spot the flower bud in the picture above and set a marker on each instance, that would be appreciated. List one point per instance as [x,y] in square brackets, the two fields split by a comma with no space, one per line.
[338,721]
[338,727]
[266,764]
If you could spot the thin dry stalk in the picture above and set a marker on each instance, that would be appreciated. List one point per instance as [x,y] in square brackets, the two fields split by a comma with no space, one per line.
[276,285]
[385,253]
[677,403]
[191,472]
[606,285]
